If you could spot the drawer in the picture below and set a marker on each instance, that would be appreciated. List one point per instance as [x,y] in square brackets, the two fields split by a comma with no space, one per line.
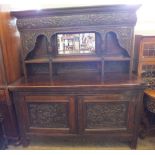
[107,97]
[45,98]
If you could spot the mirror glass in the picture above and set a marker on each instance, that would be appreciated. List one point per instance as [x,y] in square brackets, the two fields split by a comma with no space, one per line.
[76,43]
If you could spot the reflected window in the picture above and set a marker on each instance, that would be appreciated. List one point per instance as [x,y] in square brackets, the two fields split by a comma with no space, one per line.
[76,43]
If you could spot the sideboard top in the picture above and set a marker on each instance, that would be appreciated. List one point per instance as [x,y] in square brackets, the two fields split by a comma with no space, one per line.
[76,10]
[74,81]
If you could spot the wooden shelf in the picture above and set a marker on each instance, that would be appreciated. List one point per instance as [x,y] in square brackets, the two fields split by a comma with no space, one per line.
[112,58]
[63,59]
[37,60]
[76,59]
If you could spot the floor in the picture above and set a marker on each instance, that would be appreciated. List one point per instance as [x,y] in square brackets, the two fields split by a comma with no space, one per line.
[148,143]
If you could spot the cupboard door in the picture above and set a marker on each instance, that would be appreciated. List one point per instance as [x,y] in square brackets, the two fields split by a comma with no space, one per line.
[97,114]
[46,114]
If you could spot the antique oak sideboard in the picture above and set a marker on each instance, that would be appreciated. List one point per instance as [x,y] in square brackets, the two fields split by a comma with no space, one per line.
[78,81]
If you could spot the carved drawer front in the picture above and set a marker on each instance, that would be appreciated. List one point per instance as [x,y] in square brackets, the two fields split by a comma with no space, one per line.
[43,114]
[99,115]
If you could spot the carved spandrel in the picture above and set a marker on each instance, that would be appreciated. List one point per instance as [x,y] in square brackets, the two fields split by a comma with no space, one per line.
[125,38]
[112,46]
[48,115]
[77,20]
[107,115]
[124,35]
[29,39]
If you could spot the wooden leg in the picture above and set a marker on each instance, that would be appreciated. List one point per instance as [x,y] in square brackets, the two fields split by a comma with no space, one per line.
[25,142]
[4,137]
[133,144]
[17,142]
[144,126]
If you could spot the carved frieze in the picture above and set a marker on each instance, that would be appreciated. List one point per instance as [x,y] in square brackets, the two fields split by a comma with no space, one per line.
[106,18]
[110,115]
[48,115]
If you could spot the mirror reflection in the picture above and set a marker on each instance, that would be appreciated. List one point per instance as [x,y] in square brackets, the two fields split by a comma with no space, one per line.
[76,43]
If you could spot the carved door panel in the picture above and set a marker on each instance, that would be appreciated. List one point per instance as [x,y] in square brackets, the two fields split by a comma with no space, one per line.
[97,114]
[46,114]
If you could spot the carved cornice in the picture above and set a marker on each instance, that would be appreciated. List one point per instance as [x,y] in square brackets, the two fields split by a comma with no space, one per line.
[76,10]
[77,20]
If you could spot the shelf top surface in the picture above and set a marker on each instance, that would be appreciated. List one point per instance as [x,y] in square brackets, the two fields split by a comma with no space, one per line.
[76,10]
[75,81]
[37,60]
[76,58]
